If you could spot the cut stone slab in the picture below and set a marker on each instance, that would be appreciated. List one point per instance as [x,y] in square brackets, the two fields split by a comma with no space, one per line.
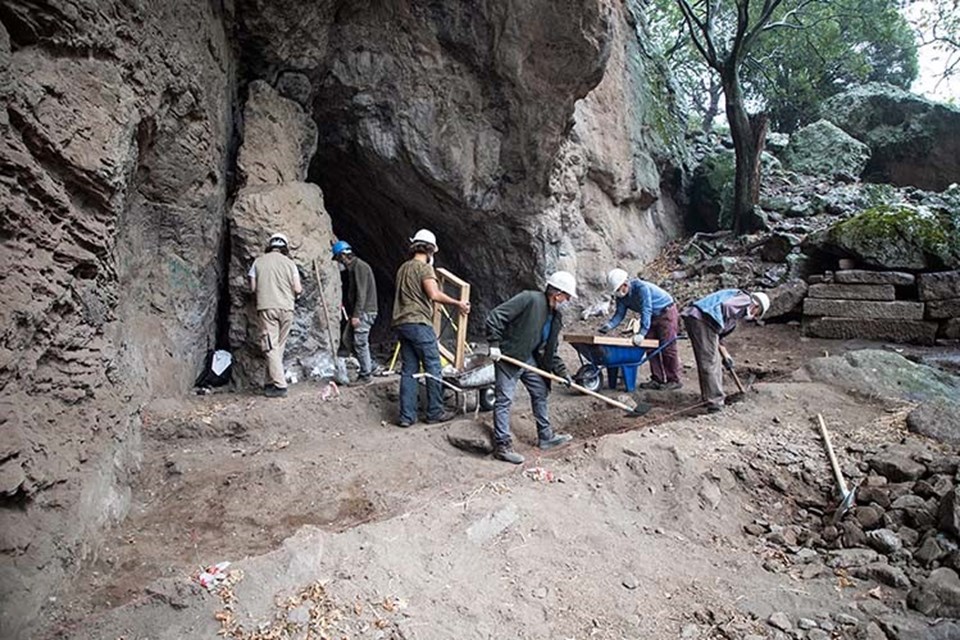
[950,330]
[884,292]
[939,286]
[896,466]
[907,331]
[898,310]
[864,276]
[937,309]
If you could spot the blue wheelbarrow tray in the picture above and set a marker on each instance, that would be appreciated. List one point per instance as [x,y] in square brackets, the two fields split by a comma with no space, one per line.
[615,359]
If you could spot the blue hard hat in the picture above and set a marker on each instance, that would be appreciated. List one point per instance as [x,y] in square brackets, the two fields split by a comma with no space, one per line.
[341,246]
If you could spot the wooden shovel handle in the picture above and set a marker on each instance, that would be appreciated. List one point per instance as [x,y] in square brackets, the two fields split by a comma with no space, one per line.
[551,376]
[841,483]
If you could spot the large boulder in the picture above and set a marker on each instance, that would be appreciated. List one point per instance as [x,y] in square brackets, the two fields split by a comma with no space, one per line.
[913,141]
[711,192]
[824,149]
[902,236]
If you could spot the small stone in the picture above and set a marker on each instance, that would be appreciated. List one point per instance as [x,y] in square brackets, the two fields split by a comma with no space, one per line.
[908,536]
[884,574]
[871,494]
[817,634]
[884,540]
[754,529]
[806,623]
[690,631]
[779,620]
[868,517]
[845,558]
[540,593]
[631,582]
[806,556]
[929,552]
[845,619]
[299,615]
[812,571]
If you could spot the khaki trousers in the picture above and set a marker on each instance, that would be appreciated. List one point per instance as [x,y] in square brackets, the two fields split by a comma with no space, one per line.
[274,329]
[706,349]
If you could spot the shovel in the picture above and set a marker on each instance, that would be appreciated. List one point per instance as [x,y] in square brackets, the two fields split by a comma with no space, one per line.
[632,412]
[340,369]
[847,497]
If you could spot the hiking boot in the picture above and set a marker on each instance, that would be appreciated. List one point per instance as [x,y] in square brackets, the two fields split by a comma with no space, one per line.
[273,391]
[446,416]
[557,440]
[507,454]
[672,386]
[404,424]
[364,379]
[651,385]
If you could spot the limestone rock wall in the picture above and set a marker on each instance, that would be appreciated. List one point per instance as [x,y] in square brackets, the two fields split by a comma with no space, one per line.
[113,154]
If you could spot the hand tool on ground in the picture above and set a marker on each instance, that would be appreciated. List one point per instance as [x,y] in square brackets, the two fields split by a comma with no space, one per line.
[340,369]
[847,497]
[728,365]
[633,412]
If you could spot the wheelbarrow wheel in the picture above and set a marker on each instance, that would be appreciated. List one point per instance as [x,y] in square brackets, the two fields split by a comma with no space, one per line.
[589,376]
[487,398]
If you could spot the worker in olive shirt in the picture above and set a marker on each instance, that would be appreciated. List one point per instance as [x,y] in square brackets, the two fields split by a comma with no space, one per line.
[275,280]
[361,305]
[527,328]
[658,320]
[708,321]
[417,290]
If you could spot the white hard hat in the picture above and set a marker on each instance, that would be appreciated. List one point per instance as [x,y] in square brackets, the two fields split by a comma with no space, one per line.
[425,235]
[278,240]
[763,300]
[616,278]
[563,281]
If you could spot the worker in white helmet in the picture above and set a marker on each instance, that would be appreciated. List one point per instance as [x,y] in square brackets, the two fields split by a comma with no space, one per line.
[658,319]
[275,281]
[709,320]
[527,328]
[417,290]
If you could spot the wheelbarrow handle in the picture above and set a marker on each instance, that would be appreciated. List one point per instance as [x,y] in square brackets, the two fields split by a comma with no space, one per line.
[573,385]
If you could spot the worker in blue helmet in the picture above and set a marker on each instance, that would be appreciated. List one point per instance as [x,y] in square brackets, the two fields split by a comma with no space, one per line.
[360,303]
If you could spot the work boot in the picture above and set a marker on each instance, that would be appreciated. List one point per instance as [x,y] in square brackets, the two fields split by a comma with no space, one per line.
[446,416]
[507,454]
[672,386]
[714,408]
[404,424]
[651,385]
[556,440]
[273,391]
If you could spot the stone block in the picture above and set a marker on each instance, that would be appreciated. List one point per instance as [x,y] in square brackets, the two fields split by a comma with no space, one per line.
[898,310]
[884,292]
[863,276]
[907,331]
[939,286]
[950,330]
[942,309]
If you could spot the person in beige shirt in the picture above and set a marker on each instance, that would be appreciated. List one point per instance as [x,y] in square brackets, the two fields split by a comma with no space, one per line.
[275,280]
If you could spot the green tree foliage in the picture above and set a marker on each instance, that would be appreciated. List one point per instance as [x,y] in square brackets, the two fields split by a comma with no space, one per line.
[937,27]
[830,48]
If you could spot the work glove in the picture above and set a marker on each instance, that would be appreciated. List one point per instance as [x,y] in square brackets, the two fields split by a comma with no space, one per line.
[495,353]
[604,329]
[567,380]
[637,339]
[728,364]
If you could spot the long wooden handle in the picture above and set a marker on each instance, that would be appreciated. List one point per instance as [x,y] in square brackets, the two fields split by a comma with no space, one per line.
[726,356]
[529,367]
[323,305]
[833,458]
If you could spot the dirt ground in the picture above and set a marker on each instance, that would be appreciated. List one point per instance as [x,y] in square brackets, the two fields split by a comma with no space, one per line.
[635,530]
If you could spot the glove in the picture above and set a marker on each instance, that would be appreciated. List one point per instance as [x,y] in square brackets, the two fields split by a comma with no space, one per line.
[494,353]
[728,364]
[637,339]
[604,329]
[567,380]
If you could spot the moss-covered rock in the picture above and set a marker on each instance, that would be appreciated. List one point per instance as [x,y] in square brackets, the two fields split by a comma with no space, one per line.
[822,148]
[711,194]
[895,236]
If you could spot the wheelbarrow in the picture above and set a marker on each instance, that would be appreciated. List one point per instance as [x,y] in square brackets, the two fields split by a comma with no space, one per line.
[477,375]
[616,355]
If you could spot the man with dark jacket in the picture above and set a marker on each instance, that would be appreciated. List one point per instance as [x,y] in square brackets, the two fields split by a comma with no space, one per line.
[361,306]
[527,328]
[708,321]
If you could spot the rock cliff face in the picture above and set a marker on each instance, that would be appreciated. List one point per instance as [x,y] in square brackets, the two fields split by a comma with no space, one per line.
[114,148]
[147,149]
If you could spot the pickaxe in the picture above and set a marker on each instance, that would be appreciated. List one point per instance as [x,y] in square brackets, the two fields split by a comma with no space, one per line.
[847,497]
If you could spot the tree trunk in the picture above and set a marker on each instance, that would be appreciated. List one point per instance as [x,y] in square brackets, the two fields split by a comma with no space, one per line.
[714,91]
[747,181]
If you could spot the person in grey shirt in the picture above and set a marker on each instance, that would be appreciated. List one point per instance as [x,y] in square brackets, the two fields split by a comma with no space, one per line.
[361,306]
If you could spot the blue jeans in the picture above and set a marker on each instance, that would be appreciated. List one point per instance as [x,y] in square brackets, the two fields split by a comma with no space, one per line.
[505,385]
[418,345]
